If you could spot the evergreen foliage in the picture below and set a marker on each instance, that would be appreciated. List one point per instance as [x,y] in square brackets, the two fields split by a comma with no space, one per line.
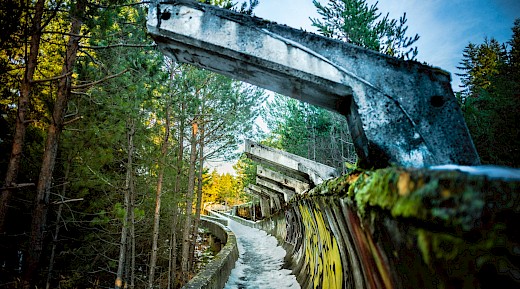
[490,98]
[354,21]
[309,131]
[109,155]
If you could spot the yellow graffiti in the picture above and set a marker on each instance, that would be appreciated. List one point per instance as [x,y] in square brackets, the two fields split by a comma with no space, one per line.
[281,229]
[321,250]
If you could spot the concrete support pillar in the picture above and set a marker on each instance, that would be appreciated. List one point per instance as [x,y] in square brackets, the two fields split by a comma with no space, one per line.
[265,207]
[276,198]
[265,201]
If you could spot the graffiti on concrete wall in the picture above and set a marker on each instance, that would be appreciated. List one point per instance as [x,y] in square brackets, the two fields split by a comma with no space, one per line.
[331,248]
[383,230]
[322,255]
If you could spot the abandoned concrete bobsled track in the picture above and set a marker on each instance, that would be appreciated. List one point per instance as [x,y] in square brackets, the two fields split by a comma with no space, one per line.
[398,112]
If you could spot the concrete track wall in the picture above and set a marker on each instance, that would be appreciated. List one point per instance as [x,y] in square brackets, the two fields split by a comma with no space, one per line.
[397,228]
[216,273]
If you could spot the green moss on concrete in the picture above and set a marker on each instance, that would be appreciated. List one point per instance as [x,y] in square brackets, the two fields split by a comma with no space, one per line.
[467,211]
[461,225]
[382,182]
[333,187]
[450,199]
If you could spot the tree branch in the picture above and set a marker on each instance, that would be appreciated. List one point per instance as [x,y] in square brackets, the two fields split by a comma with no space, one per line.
[66,201]
[18,186]
[66,33]
[72,120]
[90,56]
[117,6]
[99,81]
[119,45]
[101,177]
[52,78]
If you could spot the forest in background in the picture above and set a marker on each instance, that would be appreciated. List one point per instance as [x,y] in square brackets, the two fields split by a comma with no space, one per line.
[104,148]
[105,142]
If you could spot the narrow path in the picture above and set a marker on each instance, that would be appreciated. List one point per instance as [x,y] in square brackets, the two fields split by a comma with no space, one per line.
[259,265]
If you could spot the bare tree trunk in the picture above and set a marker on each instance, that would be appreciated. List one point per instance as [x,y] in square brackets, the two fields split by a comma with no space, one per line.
[172,266]
[199,190]
[57,228]
[129,263]
[51,147]
[23,105]
[132,236]
[126,269]
[128,191]
[157,215]
[185,266]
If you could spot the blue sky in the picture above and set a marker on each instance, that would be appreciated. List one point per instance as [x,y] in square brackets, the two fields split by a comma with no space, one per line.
[445,26]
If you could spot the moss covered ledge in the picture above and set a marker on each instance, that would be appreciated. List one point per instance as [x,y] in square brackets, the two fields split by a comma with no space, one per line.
[461,226]
[452,199]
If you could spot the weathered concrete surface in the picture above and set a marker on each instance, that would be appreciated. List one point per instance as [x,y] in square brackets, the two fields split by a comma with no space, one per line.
[249,211]
[291,164]
[276,199]
[265,209]
[297,185]
[277,187]
[399,112]
[405,228]
[265,202]
[216,273]
[215,219]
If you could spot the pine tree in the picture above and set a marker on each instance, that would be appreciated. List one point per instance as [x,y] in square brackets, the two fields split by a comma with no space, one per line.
[26,84]
[309,131]
[107,168]
[354,21]
[490,99]
[481,63]
[515,52]
[51,147]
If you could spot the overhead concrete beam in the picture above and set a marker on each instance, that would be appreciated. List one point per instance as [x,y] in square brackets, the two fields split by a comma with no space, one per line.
[398,112]
[316,172]
[250,192]
[287,193]
[276,198]
[252,189]
[265,202]
[297,185]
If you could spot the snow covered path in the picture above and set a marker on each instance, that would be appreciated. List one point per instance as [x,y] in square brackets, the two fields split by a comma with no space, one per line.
[259,265]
